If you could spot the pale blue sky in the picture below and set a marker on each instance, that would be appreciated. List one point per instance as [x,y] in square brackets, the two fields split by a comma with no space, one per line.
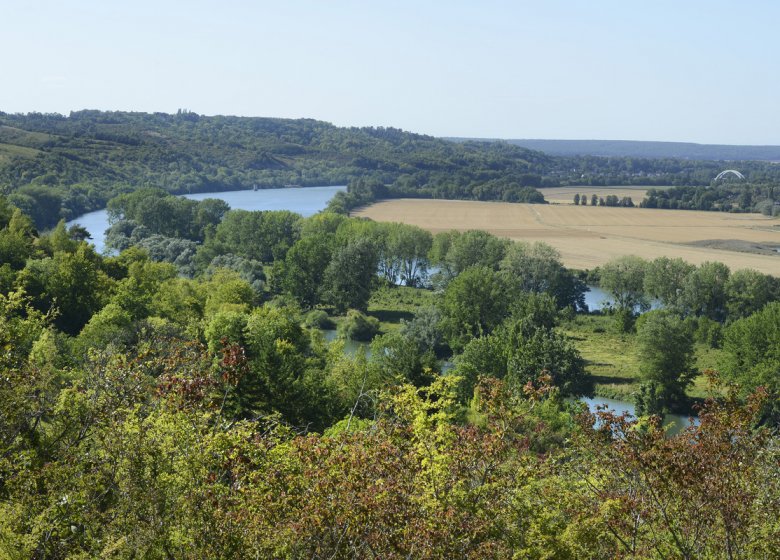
[684,70]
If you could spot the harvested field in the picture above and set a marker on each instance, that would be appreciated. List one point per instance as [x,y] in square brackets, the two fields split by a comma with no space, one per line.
[589,236]
[565,195]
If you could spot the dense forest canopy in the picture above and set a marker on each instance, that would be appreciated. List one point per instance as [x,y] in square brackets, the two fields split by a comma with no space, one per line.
[54,166]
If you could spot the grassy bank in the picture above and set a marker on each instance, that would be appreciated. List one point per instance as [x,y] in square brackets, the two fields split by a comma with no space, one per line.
[392,304]
[612,357]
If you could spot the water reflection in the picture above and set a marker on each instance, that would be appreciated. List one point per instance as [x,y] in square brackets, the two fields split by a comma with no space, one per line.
[676,422]
[351,347]
[598,299]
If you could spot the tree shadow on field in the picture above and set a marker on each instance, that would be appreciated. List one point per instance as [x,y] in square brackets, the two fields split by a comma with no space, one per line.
[611,380]
[391,316]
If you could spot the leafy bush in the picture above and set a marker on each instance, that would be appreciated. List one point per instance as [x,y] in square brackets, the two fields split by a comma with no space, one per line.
[358,326]
[318,319]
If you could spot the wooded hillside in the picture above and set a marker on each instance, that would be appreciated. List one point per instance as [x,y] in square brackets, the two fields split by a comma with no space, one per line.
[54,166]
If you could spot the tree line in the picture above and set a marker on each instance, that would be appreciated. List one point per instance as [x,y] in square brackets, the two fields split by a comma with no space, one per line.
[609,200]
[725,197]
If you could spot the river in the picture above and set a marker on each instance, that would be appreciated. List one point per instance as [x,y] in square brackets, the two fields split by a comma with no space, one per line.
[303,200]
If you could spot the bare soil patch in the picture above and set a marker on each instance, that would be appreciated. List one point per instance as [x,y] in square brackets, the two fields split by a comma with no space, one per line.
[738,245]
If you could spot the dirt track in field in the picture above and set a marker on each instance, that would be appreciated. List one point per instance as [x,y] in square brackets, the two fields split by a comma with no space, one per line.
[589,236]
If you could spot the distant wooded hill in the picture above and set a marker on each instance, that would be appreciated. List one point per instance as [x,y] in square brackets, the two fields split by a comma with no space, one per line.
[632,148]
[54,166]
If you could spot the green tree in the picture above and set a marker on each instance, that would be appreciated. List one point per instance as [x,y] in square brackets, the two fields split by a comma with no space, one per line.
[6,211]
[440,246]
[473,304]
[225,327]
[747,291]
[398,356]
[40,202]
[59,240]
[751,348]
[250,270]
[282,375]
[181,301]
[665,279]
[262,236]
[357,326]
[20,326]
[179,252]
[302,272]
[16,240]
[137,291]
[425,329]
[665,350]
[532,311]
[484,356]
[207,215]
[475,248]
[322,223]
[348,278]
[537,268]
[71,283]
[410,245]
[704,291]
[545,352]
[520,356]
[112,326]
[227,290]
[623,279]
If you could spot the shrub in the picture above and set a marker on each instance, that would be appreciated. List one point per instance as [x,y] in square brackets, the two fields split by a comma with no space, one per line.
[357,326]
[318,319]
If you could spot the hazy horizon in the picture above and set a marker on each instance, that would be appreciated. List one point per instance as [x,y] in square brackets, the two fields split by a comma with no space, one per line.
[698,72]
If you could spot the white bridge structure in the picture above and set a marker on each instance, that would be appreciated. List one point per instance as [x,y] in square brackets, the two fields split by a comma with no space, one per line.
[734,172]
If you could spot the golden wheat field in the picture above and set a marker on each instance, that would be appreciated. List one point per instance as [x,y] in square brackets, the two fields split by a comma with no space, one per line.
[588,236]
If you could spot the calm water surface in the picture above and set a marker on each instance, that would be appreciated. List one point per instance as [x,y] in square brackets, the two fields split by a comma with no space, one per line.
[303,200]
[677,422]
[596,298]
[351,347]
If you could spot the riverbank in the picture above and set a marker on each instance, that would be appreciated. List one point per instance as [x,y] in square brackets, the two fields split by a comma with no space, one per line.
[611,358]
[305,201]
